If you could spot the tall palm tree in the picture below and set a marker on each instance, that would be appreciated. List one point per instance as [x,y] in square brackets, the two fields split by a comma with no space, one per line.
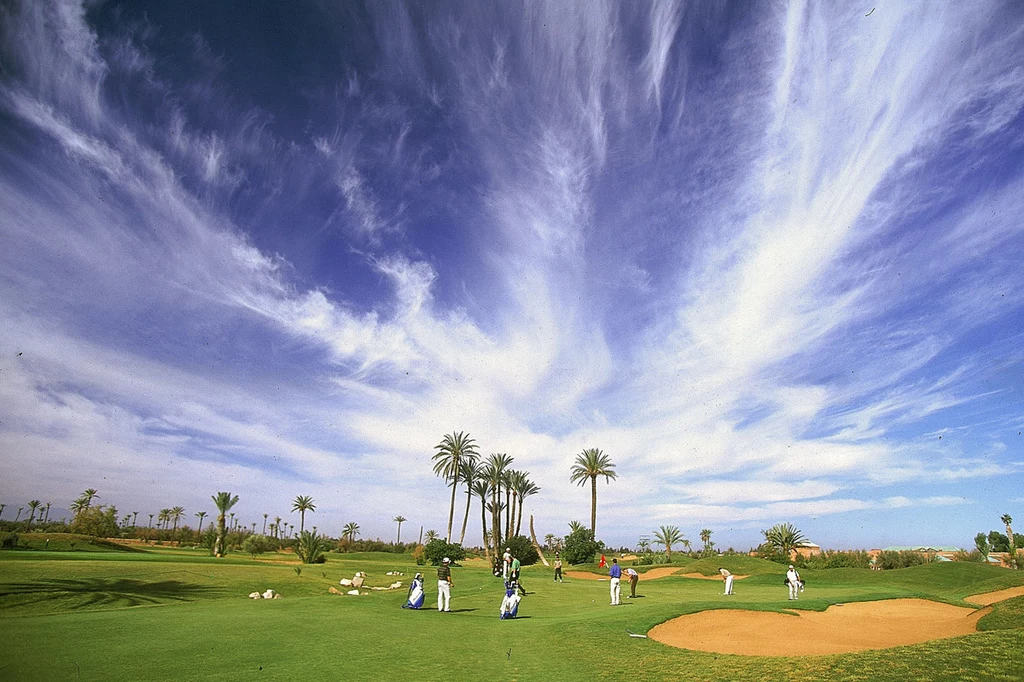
[277,526]
[200,515]
[46,519]
[224,502]
[176,514]
[494,472]
[20,509]
[643,545]
[135,518]
[1007,520]
[303,504]
[527,489]
[400,520]
[590,464]
[265,524]
[668,536]
[77,506]
[2,507]
[575,526]
[431,535]
[150,520]
[451,451]
[87,496]
[33,505]
[469,470]
[163,518]
[482,489]
[350,531]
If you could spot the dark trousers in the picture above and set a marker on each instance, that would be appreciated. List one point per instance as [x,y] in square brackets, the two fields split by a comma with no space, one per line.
[558,574]
[632,585]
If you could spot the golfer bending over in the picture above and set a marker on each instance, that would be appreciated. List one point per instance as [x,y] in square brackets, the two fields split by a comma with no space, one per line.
[728,579]
[615,573]
[444,585]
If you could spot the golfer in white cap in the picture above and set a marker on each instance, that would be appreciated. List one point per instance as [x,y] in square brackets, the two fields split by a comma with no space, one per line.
[506,563]
[793,580]
[444,585]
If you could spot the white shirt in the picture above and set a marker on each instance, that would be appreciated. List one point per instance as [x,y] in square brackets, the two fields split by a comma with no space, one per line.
[792,576]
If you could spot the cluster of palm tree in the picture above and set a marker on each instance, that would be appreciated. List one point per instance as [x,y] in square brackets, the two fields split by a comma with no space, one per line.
[84,501]
[784,538]
[33,506]
[500,489]
[667,536]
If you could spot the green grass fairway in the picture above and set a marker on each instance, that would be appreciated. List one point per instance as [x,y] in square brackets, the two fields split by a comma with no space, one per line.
[177,614]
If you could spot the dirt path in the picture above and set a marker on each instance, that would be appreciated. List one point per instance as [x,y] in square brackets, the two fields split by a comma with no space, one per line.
[989,598]
[840,629]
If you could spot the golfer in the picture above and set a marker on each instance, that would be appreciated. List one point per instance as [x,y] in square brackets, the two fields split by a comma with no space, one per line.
[444,585]
[558,569]
[728,579]
[793,580]
[615,573]
[633,578]
[506,563]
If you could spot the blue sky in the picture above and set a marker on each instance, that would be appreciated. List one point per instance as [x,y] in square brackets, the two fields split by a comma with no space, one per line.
[766,257]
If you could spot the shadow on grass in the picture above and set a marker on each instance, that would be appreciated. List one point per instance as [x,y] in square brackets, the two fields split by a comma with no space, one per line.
[102,592]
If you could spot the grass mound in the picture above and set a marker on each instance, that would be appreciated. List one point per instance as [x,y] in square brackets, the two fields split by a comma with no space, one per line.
[737,564]
[1005,615]
[71,542]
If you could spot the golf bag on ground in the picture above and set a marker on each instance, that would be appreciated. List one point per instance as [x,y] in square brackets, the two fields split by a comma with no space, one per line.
[415,599]
[510,604]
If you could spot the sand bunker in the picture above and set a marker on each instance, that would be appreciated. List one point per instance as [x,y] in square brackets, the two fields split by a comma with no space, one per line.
[719,578]
[992,597]
[652,574]
[840,629]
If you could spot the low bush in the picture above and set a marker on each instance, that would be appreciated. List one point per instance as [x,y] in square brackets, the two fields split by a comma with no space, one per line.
[889,560]
[522,548]
[836,559]
[438,549]
[580,546]
[8,540]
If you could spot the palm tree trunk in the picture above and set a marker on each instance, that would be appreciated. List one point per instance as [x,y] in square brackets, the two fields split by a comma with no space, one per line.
[593,506]
[451,508]
[508,511]
[519,519]
[496,522]
[218,547]
[302,521]
[483,532]
[465,520]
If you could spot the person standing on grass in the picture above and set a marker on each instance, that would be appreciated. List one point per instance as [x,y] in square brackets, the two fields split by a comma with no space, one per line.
[634,577]
[615,573]
[793,580]
[728,579]
[558,569]
[506,563]
[444,585]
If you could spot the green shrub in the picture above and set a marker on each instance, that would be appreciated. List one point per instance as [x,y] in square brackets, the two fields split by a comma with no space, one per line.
[522,548]
[580,546]
[438,549]
[837,559]
[889,560]
[311,547]
[419,555]
[8,540]
[255,545]
[99,522]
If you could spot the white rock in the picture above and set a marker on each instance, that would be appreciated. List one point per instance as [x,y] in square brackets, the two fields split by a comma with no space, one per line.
[353,592]
[269,594]
[395,586]
[345,582]
[254,595]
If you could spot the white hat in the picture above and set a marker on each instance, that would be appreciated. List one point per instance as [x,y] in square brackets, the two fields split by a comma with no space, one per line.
[791,565]
[446,560]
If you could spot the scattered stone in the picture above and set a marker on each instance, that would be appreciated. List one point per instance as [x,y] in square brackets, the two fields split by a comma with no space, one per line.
[270,594]
[335,590]
[353,592]
[254,595]
[345,582]
[396,585]
[358,580]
